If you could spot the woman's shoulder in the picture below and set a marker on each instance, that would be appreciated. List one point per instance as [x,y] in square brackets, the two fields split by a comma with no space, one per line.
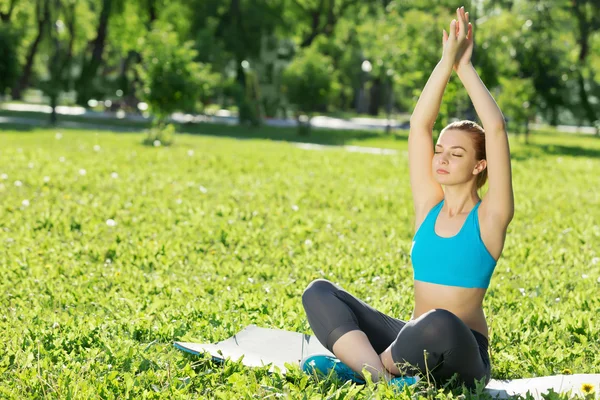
[423,210]
[491,231]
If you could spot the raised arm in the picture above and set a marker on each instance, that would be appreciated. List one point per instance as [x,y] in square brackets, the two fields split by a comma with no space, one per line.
[498,202]
[426,191]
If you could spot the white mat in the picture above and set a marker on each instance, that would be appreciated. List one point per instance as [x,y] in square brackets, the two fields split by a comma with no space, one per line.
[263,346]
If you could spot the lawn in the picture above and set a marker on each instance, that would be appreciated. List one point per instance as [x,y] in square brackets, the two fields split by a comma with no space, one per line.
[112,250]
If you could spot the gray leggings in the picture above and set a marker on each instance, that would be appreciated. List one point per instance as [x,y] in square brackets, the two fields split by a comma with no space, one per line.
[451,345]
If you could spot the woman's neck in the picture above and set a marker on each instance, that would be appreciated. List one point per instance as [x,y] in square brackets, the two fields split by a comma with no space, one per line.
[459,199]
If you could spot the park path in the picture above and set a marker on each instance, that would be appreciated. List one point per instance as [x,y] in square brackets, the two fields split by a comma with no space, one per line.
[83,125]
[225,117]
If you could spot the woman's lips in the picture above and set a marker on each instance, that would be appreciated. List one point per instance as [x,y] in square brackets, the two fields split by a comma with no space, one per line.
[442,171]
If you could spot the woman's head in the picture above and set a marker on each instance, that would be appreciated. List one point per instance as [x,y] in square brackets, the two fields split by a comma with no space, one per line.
[460,154]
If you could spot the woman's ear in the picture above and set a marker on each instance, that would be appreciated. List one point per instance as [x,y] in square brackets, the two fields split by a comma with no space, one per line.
[481,165]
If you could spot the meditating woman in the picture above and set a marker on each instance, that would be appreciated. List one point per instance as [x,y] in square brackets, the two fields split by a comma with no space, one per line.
[459,238]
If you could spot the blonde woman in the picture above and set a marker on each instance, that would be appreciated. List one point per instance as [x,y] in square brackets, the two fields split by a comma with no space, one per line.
[459,238]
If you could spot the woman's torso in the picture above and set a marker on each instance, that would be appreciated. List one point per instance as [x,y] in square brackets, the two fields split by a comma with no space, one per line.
[466,303]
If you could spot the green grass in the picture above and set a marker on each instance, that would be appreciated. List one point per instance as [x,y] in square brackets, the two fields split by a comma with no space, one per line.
[207,243]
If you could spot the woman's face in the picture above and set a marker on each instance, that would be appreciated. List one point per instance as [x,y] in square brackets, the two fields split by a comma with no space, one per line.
[454,158]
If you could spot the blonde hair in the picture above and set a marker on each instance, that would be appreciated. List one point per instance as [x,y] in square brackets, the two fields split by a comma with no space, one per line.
[478,136]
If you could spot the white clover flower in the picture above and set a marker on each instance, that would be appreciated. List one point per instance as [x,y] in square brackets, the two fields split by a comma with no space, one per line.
[190,153]
[203,189]
[58,136]
[4,177]
[111,222]
[584,276]
[250,280]
[178,201]
[61,159]
[308,242]
[30,165]
[18,183]
[96,148]
[295,207]
[46,179]
[114,175]
[156,143]
[82,172]
[25,203]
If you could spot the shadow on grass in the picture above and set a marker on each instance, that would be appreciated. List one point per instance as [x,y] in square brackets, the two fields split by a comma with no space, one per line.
[290,134]
[535,150]
[573,151]
[4,127]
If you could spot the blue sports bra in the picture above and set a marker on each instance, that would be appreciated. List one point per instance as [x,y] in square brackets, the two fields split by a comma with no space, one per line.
[461,260]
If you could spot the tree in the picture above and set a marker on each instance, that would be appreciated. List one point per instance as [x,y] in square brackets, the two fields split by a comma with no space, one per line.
[515,99]
[172,79]
[61,54]
[42,12]
[87,84]
[9,65]
[234,31]
[5,16]
[309,83]
[587,13]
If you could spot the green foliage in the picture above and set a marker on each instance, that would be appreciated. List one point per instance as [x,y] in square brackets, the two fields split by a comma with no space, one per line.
[172,80]
[515,98]
[9,63]
[160,134]
[309,81]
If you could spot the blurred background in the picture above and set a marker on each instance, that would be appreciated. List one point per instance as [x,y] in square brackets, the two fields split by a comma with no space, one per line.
[251,61]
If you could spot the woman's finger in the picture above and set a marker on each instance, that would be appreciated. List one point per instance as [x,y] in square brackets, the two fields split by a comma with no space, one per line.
[452,30]
[461,22]
[467,16]
[470,32]
[444,37]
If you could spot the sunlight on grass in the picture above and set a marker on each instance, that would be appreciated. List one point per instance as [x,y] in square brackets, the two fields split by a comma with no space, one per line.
[113,250]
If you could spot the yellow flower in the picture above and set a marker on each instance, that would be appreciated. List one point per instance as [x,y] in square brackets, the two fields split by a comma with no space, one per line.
[587,388]
[567,371]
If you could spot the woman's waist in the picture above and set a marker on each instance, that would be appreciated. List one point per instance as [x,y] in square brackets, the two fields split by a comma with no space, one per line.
[473,317]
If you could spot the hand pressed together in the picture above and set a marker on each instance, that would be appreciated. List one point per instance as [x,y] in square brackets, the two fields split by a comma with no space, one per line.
[458,43]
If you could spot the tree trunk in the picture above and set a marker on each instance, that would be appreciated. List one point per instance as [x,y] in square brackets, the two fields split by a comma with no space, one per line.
[17,92]
[53,104]
[90,67]
[585,29]
[5,17]
[375,97]
[388,107]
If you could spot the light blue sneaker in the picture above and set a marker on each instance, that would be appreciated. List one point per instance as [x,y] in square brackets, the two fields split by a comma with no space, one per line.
[399,383]
[323,364]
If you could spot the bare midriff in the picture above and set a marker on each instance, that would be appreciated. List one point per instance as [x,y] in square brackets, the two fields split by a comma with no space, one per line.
[465,303]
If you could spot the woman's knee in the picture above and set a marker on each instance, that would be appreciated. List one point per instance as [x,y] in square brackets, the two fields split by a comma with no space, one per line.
[317,289]
[443,324]
[440,317]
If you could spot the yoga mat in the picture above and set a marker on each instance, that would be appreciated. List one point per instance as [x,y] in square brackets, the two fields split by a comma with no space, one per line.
[263,346]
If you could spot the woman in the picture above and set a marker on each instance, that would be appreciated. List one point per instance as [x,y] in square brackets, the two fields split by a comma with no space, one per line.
[458,240]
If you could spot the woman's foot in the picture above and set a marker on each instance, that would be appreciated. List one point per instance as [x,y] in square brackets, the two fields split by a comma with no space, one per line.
[401,382]
[324,364]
